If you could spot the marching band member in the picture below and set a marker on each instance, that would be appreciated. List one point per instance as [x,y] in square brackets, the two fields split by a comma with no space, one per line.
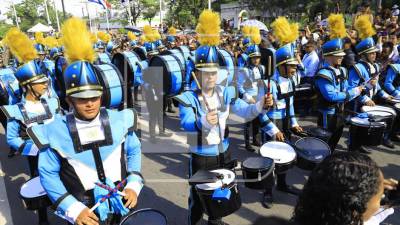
[331,82]
[279,121]
[243,58]
[103,55]
[248,81]
[34,108]
[204,111]
[365,70]
[171,40]
[392,80]
[91,144]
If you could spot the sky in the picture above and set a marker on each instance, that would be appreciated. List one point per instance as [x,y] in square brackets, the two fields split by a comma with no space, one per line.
[71,6]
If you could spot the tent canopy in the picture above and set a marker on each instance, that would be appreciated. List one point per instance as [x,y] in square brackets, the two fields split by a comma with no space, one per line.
[40,28]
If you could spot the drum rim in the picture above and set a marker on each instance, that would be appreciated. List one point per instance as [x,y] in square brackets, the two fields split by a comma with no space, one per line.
[107,97]
[380,109]
[370,124]
[162,58]
[302,155]
[215,171]
[141,210]
[259,169]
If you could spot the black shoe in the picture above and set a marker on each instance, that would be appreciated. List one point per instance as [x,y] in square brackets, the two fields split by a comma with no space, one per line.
[256,143]
[364,150]
[388,143]
[165,134]
[216,222]
[249,148]
[267,201]
[396,138]
[288,189]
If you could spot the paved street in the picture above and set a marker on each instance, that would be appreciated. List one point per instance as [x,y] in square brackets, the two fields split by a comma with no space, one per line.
[164,166]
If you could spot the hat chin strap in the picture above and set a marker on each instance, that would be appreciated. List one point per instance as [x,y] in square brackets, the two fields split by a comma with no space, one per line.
[33,92]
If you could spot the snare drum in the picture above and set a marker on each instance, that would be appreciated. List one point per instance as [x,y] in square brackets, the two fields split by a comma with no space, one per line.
[113,86]
[382,114]
[367,132]
[33,195]
[283,155]
[320,133]
[257,172]
[145,217]
[310,151]
[219,209]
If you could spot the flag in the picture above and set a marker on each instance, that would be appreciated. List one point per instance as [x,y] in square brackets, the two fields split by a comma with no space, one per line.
[104,3]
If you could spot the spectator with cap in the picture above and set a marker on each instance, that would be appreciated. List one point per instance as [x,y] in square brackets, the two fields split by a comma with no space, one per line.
[310,61]
[395,10]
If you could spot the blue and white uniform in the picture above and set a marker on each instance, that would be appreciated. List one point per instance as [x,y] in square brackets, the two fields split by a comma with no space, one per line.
[392,80]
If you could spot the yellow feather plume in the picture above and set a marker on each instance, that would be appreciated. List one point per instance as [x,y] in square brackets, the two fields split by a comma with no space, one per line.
[208,28]
[336,26]
[20,45]
[246,31]
[93,38]
[103,36]
[51,42]
[131,36]
[156,34]
[255,35]
[172,31]
[149,34]
[364,27]
[284,31]
[77,41]
[39,38]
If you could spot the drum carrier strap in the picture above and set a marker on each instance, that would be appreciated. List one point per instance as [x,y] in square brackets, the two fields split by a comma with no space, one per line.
[94,146]
[38,119]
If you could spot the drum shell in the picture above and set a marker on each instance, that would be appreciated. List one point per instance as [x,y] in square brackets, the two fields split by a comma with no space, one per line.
[35,203]
[264,177]
[185,51]
[126,220]
[284,167]
[113,86]
[130,62]
[370,135]
[173,74]
[219,209]
[226,60]
[309,162]
[320,133]
[141,52]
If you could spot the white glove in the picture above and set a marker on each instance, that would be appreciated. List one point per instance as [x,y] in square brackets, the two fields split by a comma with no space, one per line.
[380,216]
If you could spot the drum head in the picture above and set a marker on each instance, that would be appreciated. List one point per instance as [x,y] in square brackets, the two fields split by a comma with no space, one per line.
[397,106]
[280,152]
[32,188]
[258,163]
[229,177]
[312,148]
[378,110]
[145,217]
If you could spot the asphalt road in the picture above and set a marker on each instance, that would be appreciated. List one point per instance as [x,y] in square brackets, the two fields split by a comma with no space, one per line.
[165,167]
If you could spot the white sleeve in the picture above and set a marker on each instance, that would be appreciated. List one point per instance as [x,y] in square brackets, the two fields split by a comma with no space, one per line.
[73,211]
[134,186]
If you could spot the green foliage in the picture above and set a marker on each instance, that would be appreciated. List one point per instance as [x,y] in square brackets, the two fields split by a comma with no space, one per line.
[151,7]
[3,29]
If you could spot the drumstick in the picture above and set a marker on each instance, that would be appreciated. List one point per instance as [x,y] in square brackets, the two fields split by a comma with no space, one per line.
[111,191]
[108,188]
[269,77]
[199,86]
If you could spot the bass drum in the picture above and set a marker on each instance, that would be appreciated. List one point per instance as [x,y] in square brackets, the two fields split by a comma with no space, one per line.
[10,92]
[171,81]
[145,217]
[185,51]
[141,52]
[113,86]
[176,53]
[130,63]
[226,61]
[104,58]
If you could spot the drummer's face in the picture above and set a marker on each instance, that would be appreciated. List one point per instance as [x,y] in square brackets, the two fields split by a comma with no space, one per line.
[255,61]
[208,79]
[86,108]
[371,57]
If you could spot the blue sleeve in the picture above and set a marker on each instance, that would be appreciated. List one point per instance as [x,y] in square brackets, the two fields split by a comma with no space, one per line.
[244,110]
[390,77]
[49,172]
[293,120]
[133,156]
[189,120]
[329,92]
[13,138]
[354,81]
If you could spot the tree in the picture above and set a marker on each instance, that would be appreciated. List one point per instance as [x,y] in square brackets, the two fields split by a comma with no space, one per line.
[31,12]
[151,7]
